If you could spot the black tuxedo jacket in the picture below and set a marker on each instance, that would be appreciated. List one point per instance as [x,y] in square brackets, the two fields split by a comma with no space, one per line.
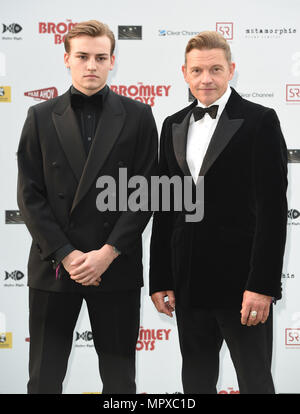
[57,187]
[240,242]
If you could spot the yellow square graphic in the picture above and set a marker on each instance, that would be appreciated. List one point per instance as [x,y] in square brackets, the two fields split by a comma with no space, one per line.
[5,93]
[5,340]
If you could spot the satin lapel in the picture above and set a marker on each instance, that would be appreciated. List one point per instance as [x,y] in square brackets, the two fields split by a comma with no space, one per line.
[107,132]
[69,135]
[179,134]
[224,131]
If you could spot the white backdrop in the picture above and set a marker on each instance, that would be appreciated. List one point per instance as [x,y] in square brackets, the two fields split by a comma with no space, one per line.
[265,39]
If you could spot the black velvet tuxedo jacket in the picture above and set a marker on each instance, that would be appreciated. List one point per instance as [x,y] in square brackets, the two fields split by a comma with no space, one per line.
[239,244]
[57,188]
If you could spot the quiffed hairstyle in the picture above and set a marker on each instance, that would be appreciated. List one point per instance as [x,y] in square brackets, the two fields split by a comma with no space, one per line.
[91,28]
[209,40]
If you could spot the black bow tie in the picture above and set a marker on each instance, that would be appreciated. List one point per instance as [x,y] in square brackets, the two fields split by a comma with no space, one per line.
[78,100]
[199,112]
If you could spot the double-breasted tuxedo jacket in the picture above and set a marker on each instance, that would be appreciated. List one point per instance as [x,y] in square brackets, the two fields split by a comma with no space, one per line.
[57,187]
[239,243]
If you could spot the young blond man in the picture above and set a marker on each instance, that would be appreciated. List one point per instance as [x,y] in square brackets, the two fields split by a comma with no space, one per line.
[79,252]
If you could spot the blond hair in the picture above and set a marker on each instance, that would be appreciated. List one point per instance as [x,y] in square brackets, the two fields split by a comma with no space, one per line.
[209,40]
[91,28]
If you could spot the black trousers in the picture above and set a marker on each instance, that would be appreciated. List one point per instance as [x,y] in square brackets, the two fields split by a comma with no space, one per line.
[115,319]
[201,334]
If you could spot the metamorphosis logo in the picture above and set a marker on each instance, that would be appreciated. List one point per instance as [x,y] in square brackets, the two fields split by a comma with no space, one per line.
[142,93]
[288,276]
[43,94]
[58,30]
[10,31]
[148,337]
[269,32]
[12,279]
[84,339]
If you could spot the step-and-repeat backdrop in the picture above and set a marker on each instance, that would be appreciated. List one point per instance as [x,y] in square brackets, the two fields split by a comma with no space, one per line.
[151,38]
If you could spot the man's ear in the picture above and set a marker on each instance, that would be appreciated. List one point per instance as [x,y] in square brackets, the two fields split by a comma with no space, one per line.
[183,69]
[66,60]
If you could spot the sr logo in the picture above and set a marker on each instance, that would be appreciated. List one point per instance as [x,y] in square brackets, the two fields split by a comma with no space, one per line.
[293,93]
[225,29]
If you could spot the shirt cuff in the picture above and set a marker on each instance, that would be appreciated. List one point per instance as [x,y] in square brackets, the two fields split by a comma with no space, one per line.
[61,253]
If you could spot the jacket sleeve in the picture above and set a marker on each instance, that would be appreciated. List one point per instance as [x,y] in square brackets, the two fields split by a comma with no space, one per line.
[160,276]
[270,183]
[35,210]
[131,224]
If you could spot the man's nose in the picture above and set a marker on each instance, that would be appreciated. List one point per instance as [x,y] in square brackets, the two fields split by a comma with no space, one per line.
[206,77]
[91,64]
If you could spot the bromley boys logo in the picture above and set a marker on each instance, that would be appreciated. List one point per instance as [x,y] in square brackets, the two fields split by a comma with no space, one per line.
[148,337]
[58,30]
[43,94]
[142,93]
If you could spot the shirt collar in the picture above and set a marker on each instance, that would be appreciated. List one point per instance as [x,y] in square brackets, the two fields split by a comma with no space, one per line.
[102,92]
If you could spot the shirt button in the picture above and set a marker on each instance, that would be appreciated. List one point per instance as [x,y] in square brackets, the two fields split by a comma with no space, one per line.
[89,138]
[89,116]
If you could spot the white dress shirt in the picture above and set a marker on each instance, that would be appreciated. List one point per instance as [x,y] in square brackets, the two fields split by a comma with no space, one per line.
[200,133]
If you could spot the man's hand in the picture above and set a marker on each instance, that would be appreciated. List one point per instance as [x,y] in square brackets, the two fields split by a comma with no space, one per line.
[88,268]
[66,262]
[167,307]
[255,302]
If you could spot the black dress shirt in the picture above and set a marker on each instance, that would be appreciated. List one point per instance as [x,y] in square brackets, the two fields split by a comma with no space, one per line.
[88,111]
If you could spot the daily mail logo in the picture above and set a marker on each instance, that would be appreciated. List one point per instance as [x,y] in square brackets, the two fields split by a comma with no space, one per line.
[225,29]
[43,94]
[292,93]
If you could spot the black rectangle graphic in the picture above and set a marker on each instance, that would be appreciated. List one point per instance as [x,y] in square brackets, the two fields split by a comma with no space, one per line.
[13,217]
[130,32]
[293,155]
